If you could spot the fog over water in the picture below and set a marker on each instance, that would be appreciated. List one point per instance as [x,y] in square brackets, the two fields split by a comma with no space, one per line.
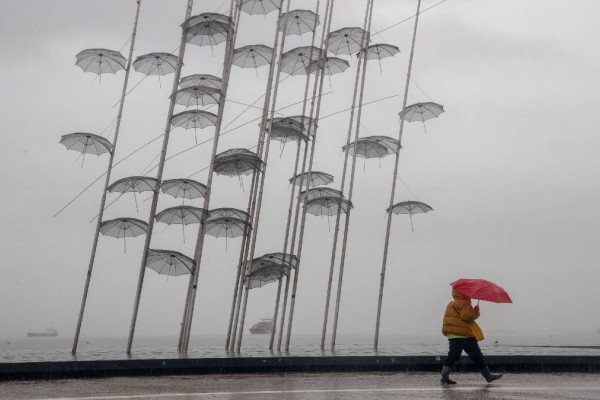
[511,169]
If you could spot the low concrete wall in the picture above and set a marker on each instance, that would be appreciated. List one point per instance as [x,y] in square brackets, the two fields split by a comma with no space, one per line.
[157,367]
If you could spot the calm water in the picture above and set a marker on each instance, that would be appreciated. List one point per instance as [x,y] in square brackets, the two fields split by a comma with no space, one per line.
[208,346]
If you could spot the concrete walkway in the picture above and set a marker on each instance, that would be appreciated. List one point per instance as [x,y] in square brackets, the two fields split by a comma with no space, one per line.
[298,386]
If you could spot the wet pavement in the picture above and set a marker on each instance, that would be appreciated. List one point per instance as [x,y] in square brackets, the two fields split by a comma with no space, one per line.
[346,386]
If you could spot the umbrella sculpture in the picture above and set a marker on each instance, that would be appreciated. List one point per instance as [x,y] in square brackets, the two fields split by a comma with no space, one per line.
[373,147]
[296,61]
[266,271]
[253,7]
[315,178]
[207,29]
[227,227]
[183,188]
[309,124]
[315,193]
[327,205]
[135,184]
[392,144]
[123,228]
[100,61]
[182,215]
[332,65]
[197,95]
[421,112]
[169,262]
[194,119]
[229,213]
[237,162]
[156,64]
[346,41]
[200,80]
[281,258]
[410,207]
[286,130]
[367,149]
[299,22]
[481,289]
[252,56]
[86,143]
[268,268]
[206,17]
[233,220]
[381,51]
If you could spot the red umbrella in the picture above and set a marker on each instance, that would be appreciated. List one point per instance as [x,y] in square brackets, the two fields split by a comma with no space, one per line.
[480,289]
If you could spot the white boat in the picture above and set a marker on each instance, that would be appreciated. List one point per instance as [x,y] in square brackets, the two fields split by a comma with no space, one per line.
[48,333]
[262,327]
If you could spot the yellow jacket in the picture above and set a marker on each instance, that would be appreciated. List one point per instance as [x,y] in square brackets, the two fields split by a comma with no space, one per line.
[460,317]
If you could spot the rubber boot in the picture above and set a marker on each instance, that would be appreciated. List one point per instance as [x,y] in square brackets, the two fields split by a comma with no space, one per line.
[446,376]
[489,376]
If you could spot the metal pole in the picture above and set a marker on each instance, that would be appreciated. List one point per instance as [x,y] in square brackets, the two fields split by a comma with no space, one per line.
[242,264]
[239,268]
[289,218]
[234,13]
[295,226]
[192,288]
[394,180]
[262,176]
[305,197]
[159,174]
[107,180]
[350,191]
[339,212]
[255,179]
[303,170]
[190,283]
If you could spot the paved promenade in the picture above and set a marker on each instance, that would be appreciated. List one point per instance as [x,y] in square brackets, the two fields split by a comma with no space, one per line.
[299,386]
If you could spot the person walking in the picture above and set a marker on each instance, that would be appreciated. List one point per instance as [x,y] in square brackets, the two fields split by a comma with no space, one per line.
[463,333]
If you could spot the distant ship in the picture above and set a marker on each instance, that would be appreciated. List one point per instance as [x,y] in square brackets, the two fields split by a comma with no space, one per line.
[49,332]
[262,327]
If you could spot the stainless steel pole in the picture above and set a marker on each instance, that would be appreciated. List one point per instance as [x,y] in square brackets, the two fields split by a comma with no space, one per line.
[339,212]
[350,191]
[307,150]
[107,180]
[232,35]
[305,197]
[292,195]
[394,180]
[255,180]
[262,176]
[159,174]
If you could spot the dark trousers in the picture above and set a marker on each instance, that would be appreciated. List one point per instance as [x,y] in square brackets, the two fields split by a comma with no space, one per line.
[470,346]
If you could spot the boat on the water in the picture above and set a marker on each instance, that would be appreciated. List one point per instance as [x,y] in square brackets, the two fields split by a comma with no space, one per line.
[48,333]
[262,327]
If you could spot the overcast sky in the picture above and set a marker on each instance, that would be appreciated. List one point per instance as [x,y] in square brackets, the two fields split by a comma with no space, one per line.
[511,169]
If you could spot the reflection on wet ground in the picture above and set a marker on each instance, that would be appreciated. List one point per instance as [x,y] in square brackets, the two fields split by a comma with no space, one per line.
[349,386]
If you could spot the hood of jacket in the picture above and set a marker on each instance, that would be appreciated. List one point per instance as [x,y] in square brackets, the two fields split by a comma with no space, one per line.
[459,296]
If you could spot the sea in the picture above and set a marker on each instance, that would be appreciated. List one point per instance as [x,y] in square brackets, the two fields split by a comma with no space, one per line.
[58,348]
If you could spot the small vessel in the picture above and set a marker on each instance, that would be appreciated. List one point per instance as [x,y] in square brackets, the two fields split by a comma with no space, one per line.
[48,333]
[262,327]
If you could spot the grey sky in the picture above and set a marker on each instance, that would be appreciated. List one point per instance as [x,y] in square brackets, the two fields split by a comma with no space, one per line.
[511,169]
